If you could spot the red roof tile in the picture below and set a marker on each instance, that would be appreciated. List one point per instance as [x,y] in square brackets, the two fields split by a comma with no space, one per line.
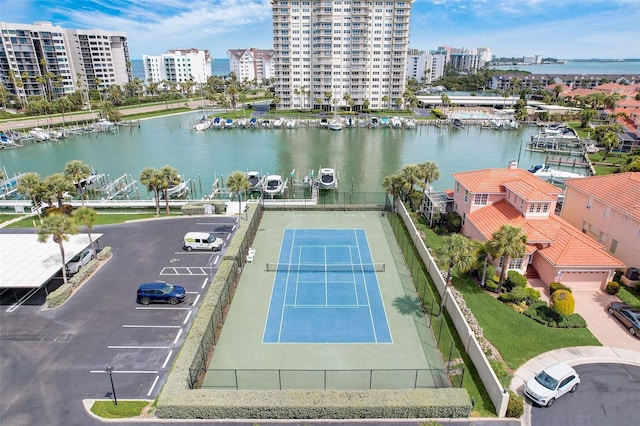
[493,181]
[621,191]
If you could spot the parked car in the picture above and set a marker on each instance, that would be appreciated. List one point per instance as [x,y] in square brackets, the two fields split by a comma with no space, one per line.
[160,291]
[627,315]
[79,260]
[551,383]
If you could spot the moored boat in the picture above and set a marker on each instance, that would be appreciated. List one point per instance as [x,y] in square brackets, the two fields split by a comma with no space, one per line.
[255,180]
[229,123]
[323,122]
[253,122]
[291,124]
[217,123]
[327,178]
[543,171]
[39,134]
[274,185]
[335,124]
[396,122]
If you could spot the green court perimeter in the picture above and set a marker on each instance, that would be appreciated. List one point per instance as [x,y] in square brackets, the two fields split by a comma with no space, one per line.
[241,359]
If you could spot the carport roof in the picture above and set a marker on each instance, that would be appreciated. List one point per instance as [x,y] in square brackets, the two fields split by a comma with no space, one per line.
[26,263]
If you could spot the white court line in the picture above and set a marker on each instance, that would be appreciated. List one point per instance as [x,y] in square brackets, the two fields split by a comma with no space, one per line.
[138,347]
[175,341]
[195,302]
[186,319]
[166,361]
[126,371]
[153,385]
[151,326]
[204,283]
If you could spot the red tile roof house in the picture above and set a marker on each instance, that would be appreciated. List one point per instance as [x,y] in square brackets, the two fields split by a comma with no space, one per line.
[607,209]
[489,198]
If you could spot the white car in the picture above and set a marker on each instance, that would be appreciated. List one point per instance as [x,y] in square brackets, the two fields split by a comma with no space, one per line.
[551,383]
[79,260]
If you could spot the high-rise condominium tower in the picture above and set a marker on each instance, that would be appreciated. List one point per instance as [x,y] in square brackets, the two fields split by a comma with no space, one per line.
[333,54]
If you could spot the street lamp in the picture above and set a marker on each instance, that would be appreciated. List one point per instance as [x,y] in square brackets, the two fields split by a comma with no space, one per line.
[109,370]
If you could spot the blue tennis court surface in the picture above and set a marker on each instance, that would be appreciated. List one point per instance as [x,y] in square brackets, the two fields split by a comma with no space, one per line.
[325,290]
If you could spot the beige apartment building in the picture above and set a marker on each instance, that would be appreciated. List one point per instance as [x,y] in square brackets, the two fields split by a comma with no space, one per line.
[333,54]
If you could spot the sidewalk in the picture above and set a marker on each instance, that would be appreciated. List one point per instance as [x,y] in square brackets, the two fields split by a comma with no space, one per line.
[571,356]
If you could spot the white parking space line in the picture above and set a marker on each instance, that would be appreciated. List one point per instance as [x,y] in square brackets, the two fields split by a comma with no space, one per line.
[228,236]
[153,385]
[139,347]
[161,308]
[175,341]
[126,372]
[204,283]
[182,270]
[195,302]
[166,361]
[150,326]
[186,319]
[23,299]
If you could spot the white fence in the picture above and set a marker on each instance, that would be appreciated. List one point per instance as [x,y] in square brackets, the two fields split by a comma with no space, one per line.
[497,393]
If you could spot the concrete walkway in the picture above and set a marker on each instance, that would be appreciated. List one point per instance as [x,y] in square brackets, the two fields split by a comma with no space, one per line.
[571,356]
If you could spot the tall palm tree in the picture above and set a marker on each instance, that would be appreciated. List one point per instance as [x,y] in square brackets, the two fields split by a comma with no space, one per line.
[151,178]
[483,256]
[610,141]
[87,217]
[58,227]
[29,186]
[56,185]
[507,243]
[237,182]
[77,170]
[459,253]
[169,176]
[429,173]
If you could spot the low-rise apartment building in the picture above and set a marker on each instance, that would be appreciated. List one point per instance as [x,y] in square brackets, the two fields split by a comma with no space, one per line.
[251,64]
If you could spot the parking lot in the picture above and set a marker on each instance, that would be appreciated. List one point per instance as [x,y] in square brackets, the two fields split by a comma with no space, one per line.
[66,351]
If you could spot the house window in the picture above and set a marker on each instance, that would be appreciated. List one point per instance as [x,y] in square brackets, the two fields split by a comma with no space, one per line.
[607,210]
[545,207]
[603,237]
[589,203]
[466,195]
[481,199]
[585,226]
[457,187]
[464,217]
[531,207]
[614,246]
[515,263]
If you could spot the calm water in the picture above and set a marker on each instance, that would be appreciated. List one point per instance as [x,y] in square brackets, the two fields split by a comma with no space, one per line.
[595,67]
[362,156]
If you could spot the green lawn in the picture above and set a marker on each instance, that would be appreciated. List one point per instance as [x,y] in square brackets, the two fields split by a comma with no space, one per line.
[517,337]
[8,217]
[630,295]
[124,409]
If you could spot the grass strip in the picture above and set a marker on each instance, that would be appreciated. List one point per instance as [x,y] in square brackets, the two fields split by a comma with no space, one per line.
[124,409]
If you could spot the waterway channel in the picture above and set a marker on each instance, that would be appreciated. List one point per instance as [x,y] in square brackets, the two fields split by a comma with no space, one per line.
[362,156]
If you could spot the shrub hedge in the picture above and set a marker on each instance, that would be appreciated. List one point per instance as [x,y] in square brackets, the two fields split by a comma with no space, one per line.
[562,302]
[557,286]
[543,314]
[194,209]
[59,295]
[612,287]
[515,406]
[515,279]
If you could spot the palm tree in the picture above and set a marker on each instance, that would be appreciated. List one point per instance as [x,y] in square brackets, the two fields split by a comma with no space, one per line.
[87,217]
[483,256]
[429,172]
[58,227]
[396,185]
[151,178]
[77,170]
[610,141]
[169,176]
[237,182]
[56,185]
[458,253]
[507,243]
[63,104]
[29,186]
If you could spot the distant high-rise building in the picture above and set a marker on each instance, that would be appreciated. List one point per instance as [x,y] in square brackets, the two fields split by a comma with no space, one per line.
[251,64]
[334,53]
[178,65]
[43,59]
[427,65]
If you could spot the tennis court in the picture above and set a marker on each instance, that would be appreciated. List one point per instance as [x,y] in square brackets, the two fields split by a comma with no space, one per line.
[327,302]
[325,290]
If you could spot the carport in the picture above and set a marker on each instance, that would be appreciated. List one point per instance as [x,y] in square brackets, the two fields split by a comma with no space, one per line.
[28,264]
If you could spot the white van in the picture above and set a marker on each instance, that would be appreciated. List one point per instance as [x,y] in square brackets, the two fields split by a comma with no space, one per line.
[202,241]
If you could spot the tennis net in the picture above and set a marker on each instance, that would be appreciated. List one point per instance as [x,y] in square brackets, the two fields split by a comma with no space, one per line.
[326,267]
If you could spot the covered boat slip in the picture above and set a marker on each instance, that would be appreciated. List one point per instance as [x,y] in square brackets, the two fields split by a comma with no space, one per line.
[27,264]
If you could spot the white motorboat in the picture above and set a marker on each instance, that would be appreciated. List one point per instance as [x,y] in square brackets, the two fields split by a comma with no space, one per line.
[217,122]
[253,122]
[229,123]
[178,190]
[549,174]
[350,122]
[39,134]
[278,122]
[323,122]
[396,122]
[266,123]
[104,125]
[410,124]
[202,125]
[255,180]
[242,122]
[327,178]
[374,122]
[335,124]
[291,124]
[274,185]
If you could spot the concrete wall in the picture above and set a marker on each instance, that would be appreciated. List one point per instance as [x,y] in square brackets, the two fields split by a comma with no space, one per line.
[497,393]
